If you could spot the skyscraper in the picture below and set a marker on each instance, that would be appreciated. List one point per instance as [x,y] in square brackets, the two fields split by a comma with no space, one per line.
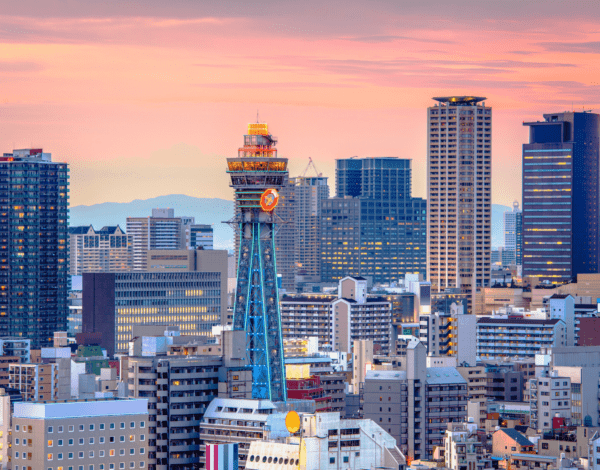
[256,175]
[33,253]
[161,231]
[459,190]
[374,227]
[513,235]
[561,219]
[285,235]
[310,192]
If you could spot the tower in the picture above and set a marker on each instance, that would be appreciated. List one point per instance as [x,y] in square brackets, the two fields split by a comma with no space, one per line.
[33,228]
[561,193]
[459,193]
[513,235]
[257,175]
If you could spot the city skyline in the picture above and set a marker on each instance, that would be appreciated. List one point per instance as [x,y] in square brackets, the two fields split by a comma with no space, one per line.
[117,92]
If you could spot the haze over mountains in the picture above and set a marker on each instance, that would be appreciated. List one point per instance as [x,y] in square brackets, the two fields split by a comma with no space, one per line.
[206,211]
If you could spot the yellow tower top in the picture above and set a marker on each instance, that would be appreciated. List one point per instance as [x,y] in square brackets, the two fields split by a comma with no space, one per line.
[258,129]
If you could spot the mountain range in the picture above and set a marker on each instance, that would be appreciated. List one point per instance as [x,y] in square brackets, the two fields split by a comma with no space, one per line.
[211,211]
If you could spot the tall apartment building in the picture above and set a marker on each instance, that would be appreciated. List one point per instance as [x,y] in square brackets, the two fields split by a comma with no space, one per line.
[459,191]
[518,337]
[104,250]
[199,236]
[33,253]
[161,231]
[310,192]
[90,434]
[415,403]
[513,236]
[35,382]
[338,320]
[285,236]
[549,396]
[114,302]
[561,194]
[373,227]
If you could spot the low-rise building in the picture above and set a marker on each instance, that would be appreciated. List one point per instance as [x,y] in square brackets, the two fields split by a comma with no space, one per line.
[462,448]
[509,441]
[35,382]
[99,434]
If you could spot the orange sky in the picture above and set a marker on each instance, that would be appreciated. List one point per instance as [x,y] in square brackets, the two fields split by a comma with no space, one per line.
[148,98]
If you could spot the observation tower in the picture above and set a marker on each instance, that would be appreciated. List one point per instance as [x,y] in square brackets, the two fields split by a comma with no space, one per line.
[257,175]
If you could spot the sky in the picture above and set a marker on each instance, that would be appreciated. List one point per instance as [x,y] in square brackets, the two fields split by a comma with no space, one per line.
[146,98]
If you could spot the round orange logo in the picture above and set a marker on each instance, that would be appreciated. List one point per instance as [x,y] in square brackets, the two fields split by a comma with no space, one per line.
[269,200]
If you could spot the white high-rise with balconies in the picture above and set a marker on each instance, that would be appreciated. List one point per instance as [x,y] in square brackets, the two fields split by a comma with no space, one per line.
[459,193]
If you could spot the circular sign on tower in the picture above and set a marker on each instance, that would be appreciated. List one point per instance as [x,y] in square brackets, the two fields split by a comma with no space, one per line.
[269,200]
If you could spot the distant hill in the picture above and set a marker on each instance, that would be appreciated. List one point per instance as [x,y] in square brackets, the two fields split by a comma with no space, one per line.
[206,211]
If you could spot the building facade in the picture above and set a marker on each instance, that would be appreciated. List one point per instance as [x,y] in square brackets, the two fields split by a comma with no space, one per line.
[459,191]
[373,227]
[199,236]
[99,434]
[561,191]
[34,195]
[161,231]
[104,250]
[513,236]
[114,302]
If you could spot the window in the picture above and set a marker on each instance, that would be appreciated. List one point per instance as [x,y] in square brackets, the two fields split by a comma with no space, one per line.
[331,459]
[91,454]
[122,465]
[101,453]
[346,459]
[131,438]
[70,442]
[101,439]
[50,443]
[70,455]
[122,438]
[59,456]
[122,425]
[111,452]
[112,425]
[513,449]
[142,437]
[80,455]
[17,427]
[132,425]
[81,427]
[101,426]
[142,451]
[111,439]
[131,464]
[60,442]
[142,424]
[544,445]
[121,451]
[60,429]
[91,440]
[50,429]
[91,427]
[71,428]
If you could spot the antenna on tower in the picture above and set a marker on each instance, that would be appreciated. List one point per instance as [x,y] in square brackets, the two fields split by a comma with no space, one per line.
[257,116]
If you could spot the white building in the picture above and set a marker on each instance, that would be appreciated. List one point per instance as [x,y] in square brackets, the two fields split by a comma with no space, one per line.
[520,337]
[329,443]
[462,448]
[549,397]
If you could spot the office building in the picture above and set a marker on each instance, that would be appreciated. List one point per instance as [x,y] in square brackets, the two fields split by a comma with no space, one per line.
[33,228]
[161,231]
[104,250]
[561,191]
[84,434]
[513,236]
[114,302]
[256,175]
[459,191]
[309,194]
[373,227]
[517,337]
[199,236]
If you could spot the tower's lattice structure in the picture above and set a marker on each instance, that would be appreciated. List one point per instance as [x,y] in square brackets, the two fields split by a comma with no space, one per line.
[256,175]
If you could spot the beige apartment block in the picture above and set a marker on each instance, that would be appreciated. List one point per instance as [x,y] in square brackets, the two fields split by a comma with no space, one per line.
[490,299]
[36,382]
[459,192]
[106,434]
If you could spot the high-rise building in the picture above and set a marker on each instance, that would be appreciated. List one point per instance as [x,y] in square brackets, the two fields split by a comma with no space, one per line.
[104,250]
[256,175]
[459,193]
[310,192]
[285,235]
[33,253]
[513,235]
[161,231]
[199,236]
[561,193]
[373,227]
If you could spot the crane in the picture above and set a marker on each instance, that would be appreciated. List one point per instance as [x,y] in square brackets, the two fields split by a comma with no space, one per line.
[311,163]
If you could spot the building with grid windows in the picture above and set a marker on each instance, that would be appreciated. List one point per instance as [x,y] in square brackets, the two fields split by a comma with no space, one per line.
[114,302]
[561,194]
[199,236]
[459,192]
[104,250]
[33,253]
[373,227]
[92,434]
[513,236]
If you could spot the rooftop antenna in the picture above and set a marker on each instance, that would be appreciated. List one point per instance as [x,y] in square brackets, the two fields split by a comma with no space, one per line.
[257,116]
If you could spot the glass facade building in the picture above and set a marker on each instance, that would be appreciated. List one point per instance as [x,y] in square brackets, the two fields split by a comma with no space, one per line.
[374,227]
[561,174]
[33,249]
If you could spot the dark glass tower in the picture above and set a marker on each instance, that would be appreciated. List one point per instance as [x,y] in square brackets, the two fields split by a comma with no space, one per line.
[374,227]
[561,176]
[33,249]
[257,175]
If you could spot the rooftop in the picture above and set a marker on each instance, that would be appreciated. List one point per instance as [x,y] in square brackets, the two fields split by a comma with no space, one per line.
[460,100]
[81,408]
[517,437]
[444,375]
[517,321]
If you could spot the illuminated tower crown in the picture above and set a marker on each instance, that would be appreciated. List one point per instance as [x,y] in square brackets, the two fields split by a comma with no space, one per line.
[256,175]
